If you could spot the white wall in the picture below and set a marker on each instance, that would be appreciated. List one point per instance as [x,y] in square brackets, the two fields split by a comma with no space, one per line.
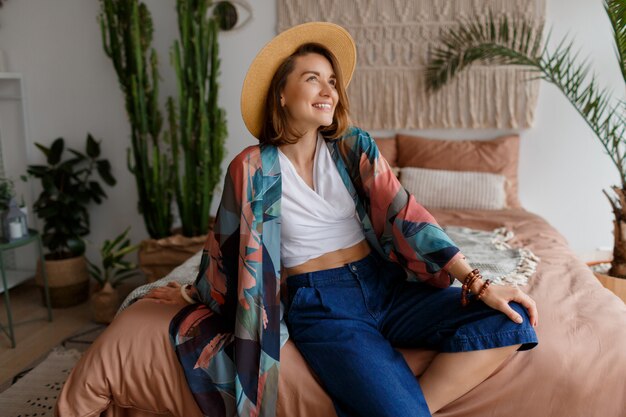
[72,89]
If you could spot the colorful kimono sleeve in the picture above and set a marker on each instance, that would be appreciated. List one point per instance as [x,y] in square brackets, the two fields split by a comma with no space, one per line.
[230,345]
[220,255]
[408,233]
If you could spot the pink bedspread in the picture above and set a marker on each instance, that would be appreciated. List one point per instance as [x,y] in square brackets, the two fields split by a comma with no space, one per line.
[578,368]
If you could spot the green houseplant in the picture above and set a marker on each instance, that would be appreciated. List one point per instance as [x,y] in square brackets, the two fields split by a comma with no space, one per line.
[68,188]
[507,42]
[182,164]
[7,196]
[7,192]
[113,270]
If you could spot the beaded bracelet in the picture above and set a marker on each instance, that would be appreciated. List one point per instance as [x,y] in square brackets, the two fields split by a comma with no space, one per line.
[186,297]
[483,289]
[467,285]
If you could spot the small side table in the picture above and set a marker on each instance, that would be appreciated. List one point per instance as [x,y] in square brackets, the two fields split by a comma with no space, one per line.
[12,278]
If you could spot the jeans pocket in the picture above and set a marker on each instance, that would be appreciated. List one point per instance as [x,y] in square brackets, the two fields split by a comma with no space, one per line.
[293,295]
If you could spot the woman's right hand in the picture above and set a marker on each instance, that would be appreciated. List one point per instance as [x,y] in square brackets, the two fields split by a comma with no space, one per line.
[168,294]
[499,296]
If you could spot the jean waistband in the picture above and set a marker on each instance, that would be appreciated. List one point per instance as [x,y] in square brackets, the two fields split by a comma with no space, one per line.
[342,273]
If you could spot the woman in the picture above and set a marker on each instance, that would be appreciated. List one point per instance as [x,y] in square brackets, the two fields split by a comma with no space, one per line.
[316,200]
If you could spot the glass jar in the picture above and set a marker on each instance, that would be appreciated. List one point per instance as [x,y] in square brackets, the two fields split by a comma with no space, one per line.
[14,222]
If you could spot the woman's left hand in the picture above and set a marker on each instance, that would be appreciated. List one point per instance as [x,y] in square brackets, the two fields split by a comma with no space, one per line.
[169,294]
[498,298]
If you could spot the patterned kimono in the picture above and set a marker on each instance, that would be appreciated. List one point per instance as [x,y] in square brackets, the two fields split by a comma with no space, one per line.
[229,345]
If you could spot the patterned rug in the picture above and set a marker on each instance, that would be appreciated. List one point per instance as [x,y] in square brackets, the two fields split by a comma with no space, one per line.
[36,389]
[35,394]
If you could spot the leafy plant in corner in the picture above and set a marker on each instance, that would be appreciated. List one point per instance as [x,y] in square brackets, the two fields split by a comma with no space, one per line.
[68,187]
[114,268]
[7,192]
[502,41]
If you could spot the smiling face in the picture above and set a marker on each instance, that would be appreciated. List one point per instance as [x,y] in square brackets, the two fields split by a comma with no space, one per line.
[310,94]
[297,100]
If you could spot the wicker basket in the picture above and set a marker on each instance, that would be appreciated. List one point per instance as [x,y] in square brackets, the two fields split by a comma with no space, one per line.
[104,304]
[68,281]
[158,257]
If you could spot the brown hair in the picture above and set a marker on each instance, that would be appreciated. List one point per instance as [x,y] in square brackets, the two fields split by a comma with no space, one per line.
[276,130]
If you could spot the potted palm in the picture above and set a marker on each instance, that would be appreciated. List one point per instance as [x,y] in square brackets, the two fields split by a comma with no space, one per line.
[113,271]
[507,42]
[68,188]
[182,164]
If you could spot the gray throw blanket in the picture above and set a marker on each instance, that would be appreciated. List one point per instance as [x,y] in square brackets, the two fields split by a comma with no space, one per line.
[487,251]
[493,256]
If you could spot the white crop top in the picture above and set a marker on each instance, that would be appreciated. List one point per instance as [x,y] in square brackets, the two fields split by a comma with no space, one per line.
[315,222]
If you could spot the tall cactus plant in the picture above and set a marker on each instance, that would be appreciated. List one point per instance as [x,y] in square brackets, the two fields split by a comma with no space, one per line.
[197,124]
[126,27]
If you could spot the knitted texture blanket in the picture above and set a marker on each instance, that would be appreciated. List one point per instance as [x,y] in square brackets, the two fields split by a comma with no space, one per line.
[489,251]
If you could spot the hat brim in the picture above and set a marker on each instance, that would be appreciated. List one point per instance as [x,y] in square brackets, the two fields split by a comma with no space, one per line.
[264,66]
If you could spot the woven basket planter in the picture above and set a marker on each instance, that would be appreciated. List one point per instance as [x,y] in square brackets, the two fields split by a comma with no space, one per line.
[157,258]
[104,304]
[68,281]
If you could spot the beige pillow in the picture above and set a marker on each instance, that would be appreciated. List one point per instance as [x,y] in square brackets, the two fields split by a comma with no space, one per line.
[496,156]
[437,188]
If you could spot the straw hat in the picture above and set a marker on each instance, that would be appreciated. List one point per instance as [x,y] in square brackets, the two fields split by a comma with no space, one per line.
[267,61]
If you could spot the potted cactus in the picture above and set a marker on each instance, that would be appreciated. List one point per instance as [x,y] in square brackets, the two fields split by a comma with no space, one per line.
[182,164]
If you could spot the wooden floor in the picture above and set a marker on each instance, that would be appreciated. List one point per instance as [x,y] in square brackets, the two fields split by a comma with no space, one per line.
[36,338]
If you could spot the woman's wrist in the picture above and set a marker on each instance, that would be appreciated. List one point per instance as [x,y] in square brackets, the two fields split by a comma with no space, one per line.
[187,296]
[459,269]
[477,285]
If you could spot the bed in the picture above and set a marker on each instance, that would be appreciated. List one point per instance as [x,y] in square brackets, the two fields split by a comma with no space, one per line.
[578,368]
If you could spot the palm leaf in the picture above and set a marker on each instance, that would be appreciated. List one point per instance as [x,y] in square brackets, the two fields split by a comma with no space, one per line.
[517,42]
[490,41]
[616,10]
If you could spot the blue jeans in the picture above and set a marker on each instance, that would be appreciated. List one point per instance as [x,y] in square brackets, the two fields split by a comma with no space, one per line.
[346,322]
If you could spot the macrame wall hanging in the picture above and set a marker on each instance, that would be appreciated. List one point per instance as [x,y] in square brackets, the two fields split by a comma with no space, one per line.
[393,38]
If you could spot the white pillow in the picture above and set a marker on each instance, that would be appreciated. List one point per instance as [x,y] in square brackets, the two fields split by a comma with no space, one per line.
[438,188]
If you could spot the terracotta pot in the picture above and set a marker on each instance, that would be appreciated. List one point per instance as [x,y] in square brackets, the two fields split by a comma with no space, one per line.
[68,281]
[157,258]
[104,304]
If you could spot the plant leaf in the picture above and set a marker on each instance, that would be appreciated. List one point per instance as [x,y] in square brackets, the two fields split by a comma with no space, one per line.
[616,10]
[517,42]
[104,169]
[56,150]
[93,147]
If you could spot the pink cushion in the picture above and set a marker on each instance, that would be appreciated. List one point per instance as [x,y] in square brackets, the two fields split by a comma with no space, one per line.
[497,156]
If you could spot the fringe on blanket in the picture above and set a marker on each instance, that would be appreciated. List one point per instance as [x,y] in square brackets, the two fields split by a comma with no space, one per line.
[526,266]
